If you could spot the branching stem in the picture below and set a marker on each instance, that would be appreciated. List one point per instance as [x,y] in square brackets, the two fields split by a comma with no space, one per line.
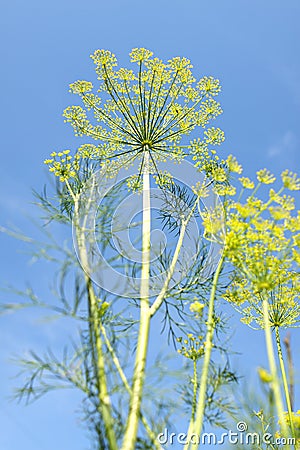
[161,296]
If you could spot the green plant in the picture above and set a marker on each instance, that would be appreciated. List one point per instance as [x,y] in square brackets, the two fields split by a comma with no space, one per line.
[246,253]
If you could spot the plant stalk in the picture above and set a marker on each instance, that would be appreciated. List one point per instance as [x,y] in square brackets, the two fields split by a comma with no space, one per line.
[273,370]
[195,381]
[287,343]
[104,398]
[117,364]
[98,356]
[143,336]
[196,425]
[285,382]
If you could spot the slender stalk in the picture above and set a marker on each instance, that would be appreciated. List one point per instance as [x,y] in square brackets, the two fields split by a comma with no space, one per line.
[195,381]
[287,343]
[284,379]
[104,398]
[160,298]
[98,356]
[143,337]
[272,365]
[195,426]
[117,364]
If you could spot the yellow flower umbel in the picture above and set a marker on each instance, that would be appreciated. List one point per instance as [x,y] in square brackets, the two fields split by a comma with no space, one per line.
[197,308]
[62,165]
[192,347]
[262,244]
[295,418]
[147,109]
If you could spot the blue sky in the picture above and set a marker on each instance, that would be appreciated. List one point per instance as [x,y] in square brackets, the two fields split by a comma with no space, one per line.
[253,47]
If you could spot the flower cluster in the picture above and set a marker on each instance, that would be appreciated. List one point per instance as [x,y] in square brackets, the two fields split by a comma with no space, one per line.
[134,183]
[261,242]
[264,375]
[63,165]
[296,425]
[147,109]
[192,348]
[163,179]
[197,308]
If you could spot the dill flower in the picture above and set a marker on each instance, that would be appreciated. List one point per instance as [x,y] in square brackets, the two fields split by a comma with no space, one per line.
[265,177]
[61,165]
[290,180]
[262,244]
[192,348]
[295,423]
[197,308]
[246,183]
[233,165]
[264,375]
[149,108]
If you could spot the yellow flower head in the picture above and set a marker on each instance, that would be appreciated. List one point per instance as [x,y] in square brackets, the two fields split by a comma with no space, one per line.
[264,376]
[265,177]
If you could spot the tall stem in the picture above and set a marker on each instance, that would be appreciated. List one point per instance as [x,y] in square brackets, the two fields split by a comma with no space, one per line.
[195,382]
[287,343]
[284,379]
[143,337]
[196,425]
[104,398]
[117,364]
[97,346]
[272,365]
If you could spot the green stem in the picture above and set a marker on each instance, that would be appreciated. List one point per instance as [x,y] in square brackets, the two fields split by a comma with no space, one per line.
[287,343]
[284,379]
[272,365]
[195,381]
[195,426]
[104,398]
[161,296]
[98,356]
[117,364]
[143,337]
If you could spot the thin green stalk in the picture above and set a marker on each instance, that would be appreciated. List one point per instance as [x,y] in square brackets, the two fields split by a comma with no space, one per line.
[160,298]
[143,337]
[195,426]
[104,398]
[195,381]
[273,369]
[287,343]
[284,379]
[101,382]
[118,366]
